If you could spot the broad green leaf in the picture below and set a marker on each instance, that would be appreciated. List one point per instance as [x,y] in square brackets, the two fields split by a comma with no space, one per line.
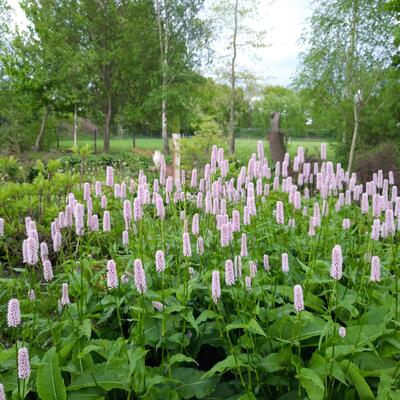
[224,365]
[251,326]
[194,384]
[178,358]
[113,376]
[49,382]
[312,383]
[86,394]
[363,390]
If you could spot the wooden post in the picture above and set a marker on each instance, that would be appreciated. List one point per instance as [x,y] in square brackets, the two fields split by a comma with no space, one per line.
[176,140]
[95,140]
[133,139]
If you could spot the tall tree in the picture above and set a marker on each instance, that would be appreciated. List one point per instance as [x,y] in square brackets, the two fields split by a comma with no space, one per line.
[236,27]
[182,35]
[347,62]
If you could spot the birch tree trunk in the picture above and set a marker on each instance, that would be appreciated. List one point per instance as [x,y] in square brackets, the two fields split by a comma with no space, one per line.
[357,111]
[233,83]
[39,137]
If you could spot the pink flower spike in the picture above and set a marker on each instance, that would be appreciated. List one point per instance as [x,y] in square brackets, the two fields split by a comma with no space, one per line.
[285,262]
[337,262]
[342,331]
[187,250]
[140,276]
[160,261]
[13,314]
[24,367]
[298,298]
[64,295]
[48,271]
[112,278]
[375,269]
[229,273]
[215,287]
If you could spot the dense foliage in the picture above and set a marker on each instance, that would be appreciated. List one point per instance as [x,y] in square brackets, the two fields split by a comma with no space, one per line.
[128,287]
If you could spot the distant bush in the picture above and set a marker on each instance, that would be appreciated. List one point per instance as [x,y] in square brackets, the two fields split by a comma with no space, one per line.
[384,156]
[196,150]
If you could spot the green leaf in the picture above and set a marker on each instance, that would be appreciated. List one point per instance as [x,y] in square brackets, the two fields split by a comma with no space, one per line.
[194,383]
[312,383]
[252,326]
[178,358]
[86,394]
[49,382]
[109,377]
[224,365]
[359,382]
[86,328]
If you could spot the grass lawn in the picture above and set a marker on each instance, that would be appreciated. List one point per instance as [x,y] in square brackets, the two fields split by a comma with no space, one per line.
[244,147]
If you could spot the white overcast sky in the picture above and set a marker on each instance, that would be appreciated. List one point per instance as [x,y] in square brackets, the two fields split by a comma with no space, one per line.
[283,20]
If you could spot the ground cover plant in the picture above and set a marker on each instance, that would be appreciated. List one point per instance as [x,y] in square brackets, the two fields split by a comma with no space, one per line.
[267,281]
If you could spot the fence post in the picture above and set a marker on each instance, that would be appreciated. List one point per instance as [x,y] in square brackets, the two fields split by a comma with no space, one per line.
[95,140]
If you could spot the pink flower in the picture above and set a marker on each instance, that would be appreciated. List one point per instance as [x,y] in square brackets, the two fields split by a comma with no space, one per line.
[24,367]
[247,282]
[200,246]
[342,331]
[137,209]
[160,261]
[94,223]
[193,181]
[158,306]
[125,238]
[47,271]
[103,201]
[243,246]
[106,221]
[229,273]
[375,269]
[376,228]
[215,287]
[109,176]
[127,212]
[235,221]
[64,295]
[112,278]
[57,241]
[280,217]
[195,224]
[32,251]
[346,223]
[253,268]
[44,251]
[225,235]
[140,276]
[337,262]
[1,226]
[187,251]
[160,207]
[2,394]
[97,188]
[285,262]
[298,298]
[13,314]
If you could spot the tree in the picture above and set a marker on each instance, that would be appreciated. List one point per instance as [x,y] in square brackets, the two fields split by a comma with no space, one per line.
[349,54]
[182,34]
[236,21]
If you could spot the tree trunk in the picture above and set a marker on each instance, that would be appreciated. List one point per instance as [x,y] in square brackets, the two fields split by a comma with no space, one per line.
[107,126]
[276,142]
[39,137]
[164,125]
[355,133]
[233,84]
[75,126]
